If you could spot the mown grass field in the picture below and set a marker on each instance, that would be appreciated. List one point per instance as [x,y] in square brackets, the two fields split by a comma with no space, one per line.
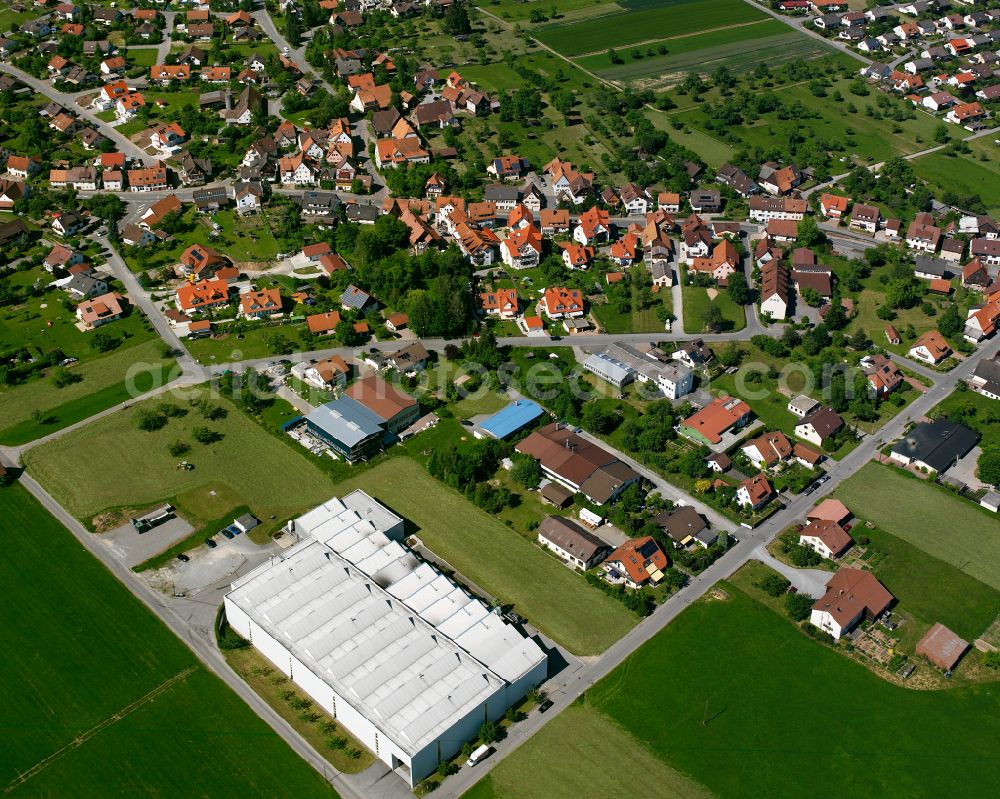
[229,348]
[696,305]
[247,467]
[966,175]
[553,598]
[713,151]
[642,320]
[952,529]
[670,18]
[105,382]
[142,56]
[558,763]
[80,649]
[931,589]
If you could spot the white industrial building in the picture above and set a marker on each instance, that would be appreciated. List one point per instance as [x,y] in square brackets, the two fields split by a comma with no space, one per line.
[620,364]
[403,658]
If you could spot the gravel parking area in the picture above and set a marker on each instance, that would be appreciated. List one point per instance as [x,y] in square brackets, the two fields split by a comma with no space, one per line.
[132,548]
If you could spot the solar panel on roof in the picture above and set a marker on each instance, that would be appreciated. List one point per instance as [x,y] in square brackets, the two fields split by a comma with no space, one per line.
[648,548]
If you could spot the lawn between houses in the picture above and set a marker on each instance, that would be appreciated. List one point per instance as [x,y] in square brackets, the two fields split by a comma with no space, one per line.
[247,467]
[929,517]
[81,649]
[759,709]
[495,557]
[696,305]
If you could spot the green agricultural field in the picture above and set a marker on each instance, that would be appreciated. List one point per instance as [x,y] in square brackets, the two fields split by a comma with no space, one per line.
[558,763]
[737,48]
[966,175]
[952,529]
[137,470]
[80,650]
[931,589]
[625,28]
[697,303]
[495,557]
[747,718]
[104,382]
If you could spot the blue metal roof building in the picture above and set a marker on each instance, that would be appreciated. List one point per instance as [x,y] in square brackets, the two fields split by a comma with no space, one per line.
[347,427]
[514,417]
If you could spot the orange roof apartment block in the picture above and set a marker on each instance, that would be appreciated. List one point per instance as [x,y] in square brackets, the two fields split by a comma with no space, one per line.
[559,302]
[203,295]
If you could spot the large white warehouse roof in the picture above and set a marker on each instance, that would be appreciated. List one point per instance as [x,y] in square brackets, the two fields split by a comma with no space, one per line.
[398,640]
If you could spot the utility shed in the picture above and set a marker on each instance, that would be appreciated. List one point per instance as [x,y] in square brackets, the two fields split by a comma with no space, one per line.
[942,647]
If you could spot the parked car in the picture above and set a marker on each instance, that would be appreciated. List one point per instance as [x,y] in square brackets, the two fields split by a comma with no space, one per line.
[226,532]
[545,705]
[210,543]
[183,558]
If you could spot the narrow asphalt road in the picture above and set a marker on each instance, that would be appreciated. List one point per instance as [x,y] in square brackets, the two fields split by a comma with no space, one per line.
[69,102]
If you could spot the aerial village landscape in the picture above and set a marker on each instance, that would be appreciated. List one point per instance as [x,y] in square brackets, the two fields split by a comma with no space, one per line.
[485,399]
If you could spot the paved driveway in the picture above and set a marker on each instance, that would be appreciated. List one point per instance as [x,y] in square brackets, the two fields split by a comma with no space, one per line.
[806,581]
[965,470]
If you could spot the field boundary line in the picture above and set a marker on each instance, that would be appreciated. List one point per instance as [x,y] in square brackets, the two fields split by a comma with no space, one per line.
[556,53]
[672,38]
[81,739]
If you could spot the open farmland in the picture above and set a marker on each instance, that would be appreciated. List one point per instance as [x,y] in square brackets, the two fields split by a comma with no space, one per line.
[666,19]
[553,598]
[954,530]
[738,49]
[37,408]
[558,763]
[869,131]
[745,717]
[967,175]
[79,651]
